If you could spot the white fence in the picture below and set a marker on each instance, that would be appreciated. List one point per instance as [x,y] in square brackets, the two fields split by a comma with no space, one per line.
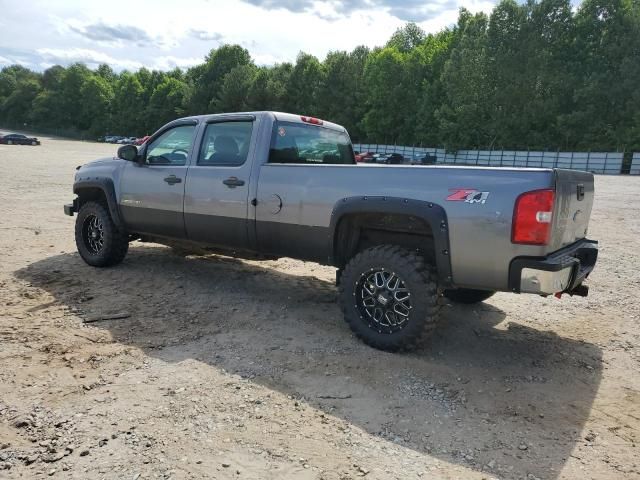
[635,164]
[596,162]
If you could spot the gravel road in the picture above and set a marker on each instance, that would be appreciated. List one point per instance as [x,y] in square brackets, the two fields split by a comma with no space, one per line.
[180,367]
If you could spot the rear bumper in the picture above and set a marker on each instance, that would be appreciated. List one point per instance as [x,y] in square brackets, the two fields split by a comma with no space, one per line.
[561,271]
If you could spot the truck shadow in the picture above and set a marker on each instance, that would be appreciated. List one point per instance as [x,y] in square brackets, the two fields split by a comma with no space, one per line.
[483,393]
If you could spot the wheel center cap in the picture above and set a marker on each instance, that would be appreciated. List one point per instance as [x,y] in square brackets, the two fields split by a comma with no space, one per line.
[94,234]
[382,299]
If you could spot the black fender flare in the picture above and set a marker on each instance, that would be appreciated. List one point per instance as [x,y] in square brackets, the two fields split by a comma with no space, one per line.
[433,214]
[109,191]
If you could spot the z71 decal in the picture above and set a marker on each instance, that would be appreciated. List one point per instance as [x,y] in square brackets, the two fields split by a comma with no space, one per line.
[467,195]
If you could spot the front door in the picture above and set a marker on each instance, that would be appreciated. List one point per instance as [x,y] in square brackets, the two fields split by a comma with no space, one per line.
[152,191]
[216,205]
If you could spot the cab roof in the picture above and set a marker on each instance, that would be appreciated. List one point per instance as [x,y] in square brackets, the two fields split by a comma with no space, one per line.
[279,116]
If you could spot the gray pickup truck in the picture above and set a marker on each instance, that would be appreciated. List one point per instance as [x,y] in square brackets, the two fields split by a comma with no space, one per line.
[403,238]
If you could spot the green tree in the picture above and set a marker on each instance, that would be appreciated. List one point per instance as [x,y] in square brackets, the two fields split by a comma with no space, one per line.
[303,85]
[341,95]
[407,38]
[205,81]
[607,59]
[464,116]
[166,103]
[234,93]
[19,87]
[128,105]
[97,96]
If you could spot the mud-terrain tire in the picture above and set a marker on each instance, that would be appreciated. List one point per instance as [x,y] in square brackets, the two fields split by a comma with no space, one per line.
[99,242]
[389,297]
[468,296]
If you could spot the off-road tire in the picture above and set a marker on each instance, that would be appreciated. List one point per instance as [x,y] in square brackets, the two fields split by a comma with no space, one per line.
[419,279]
[115,242]
[468,296]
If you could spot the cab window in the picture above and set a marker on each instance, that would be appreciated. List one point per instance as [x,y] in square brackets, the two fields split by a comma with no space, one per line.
[309,144]
[172,147]
[225,144]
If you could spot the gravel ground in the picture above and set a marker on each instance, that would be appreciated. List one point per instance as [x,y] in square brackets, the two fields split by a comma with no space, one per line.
[222,368]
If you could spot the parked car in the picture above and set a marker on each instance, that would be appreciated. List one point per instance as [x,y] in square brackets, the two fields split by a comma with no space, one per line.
[424,159]
[362,157]
[393,159]
[18,139]
[399,238]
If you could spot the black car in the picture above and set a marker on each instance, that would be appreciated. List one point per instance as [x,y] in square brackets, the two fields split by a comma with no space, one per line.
[393,159]
[18,139]
[424,159]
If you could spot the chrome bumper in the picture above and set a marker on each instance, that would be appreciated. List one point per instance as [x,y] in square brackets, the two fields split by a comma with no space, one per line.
[544,282]
[561,271]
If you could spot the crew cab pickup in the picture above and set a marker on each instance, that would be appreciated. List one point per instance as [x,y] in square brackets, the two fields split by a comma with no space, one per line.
[402,238]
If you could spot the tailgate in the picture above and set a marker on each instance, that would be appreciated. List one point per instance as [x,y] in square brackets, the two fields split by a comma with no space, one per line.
[574,199]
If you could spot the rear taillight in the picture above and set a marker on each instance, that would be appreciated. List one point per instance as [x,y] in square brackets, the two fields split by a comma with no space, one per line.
[532,218]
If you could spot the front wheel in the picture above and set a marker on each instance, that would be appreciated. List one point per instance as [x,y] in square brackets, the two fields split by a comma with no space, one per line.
[389,297]
[98,240]
[468,295]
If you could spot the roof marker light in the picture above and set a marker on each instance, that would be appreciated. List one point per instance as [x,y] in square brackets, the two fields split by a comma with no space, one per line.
[311,120]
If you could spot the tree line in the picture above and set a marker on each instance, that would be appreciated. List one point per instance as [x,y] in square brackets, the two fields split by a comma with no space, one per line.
[537,75]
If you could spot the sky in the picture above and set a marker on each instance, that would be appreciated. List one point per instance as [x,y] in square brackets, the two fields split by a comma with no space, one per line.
[164,34]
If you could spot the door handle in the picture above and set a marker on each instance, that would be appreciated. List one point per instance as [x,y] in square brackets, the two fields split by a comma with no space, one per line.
[172,180]
[233,182]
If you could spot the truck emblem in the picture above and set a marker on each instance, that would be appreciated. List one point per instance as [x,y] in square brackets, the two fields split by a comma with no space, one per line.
[467,195]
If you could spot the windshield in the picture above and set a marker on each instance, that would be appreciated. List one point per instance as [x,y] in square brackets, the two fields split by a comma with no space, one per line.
[311,144]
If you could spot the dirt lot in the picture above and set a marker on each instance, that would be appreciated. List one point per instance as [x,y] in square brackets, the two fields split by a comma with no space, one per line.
[232,369]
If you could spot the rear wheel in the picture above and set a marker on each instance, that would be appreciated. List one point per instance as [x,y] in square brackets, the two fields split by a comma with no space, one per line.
[389,297]
[468,295]
[98,240]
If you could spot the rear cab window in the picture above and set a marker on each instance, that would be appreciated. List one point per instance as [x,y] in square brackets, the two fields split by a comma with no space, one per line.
[293,142]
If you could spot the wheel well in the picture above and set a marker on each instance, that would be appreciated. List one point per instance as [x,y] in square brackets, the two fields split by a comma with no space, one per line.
[357,232]
[89,194]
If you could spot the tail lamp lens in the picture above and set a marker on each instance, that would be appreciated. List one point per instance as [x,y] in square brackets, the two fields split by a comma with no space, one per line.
[532,218]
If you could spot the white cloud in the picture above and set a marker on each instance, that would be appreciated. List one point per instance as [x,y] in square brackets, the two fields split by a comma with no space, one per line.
[170,62]
[84,55]
[164,33]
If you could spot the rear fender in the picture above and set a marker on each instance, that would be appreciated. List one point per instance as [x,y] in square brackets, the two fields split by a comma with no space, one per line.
[433,214]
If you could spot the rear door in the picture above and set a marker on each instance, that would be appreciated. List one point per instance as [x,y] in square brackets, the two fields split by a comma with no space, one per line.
[152,192]
[217,191]
[574,200]
[288,221]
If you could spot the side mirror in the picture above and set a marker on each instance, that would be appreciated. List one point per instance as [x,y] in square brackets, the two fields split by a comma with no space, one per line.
[128,153]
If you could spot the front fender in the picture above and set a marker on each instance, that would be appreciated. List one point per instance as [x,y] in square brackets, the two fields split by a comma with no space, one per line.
[105,185]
